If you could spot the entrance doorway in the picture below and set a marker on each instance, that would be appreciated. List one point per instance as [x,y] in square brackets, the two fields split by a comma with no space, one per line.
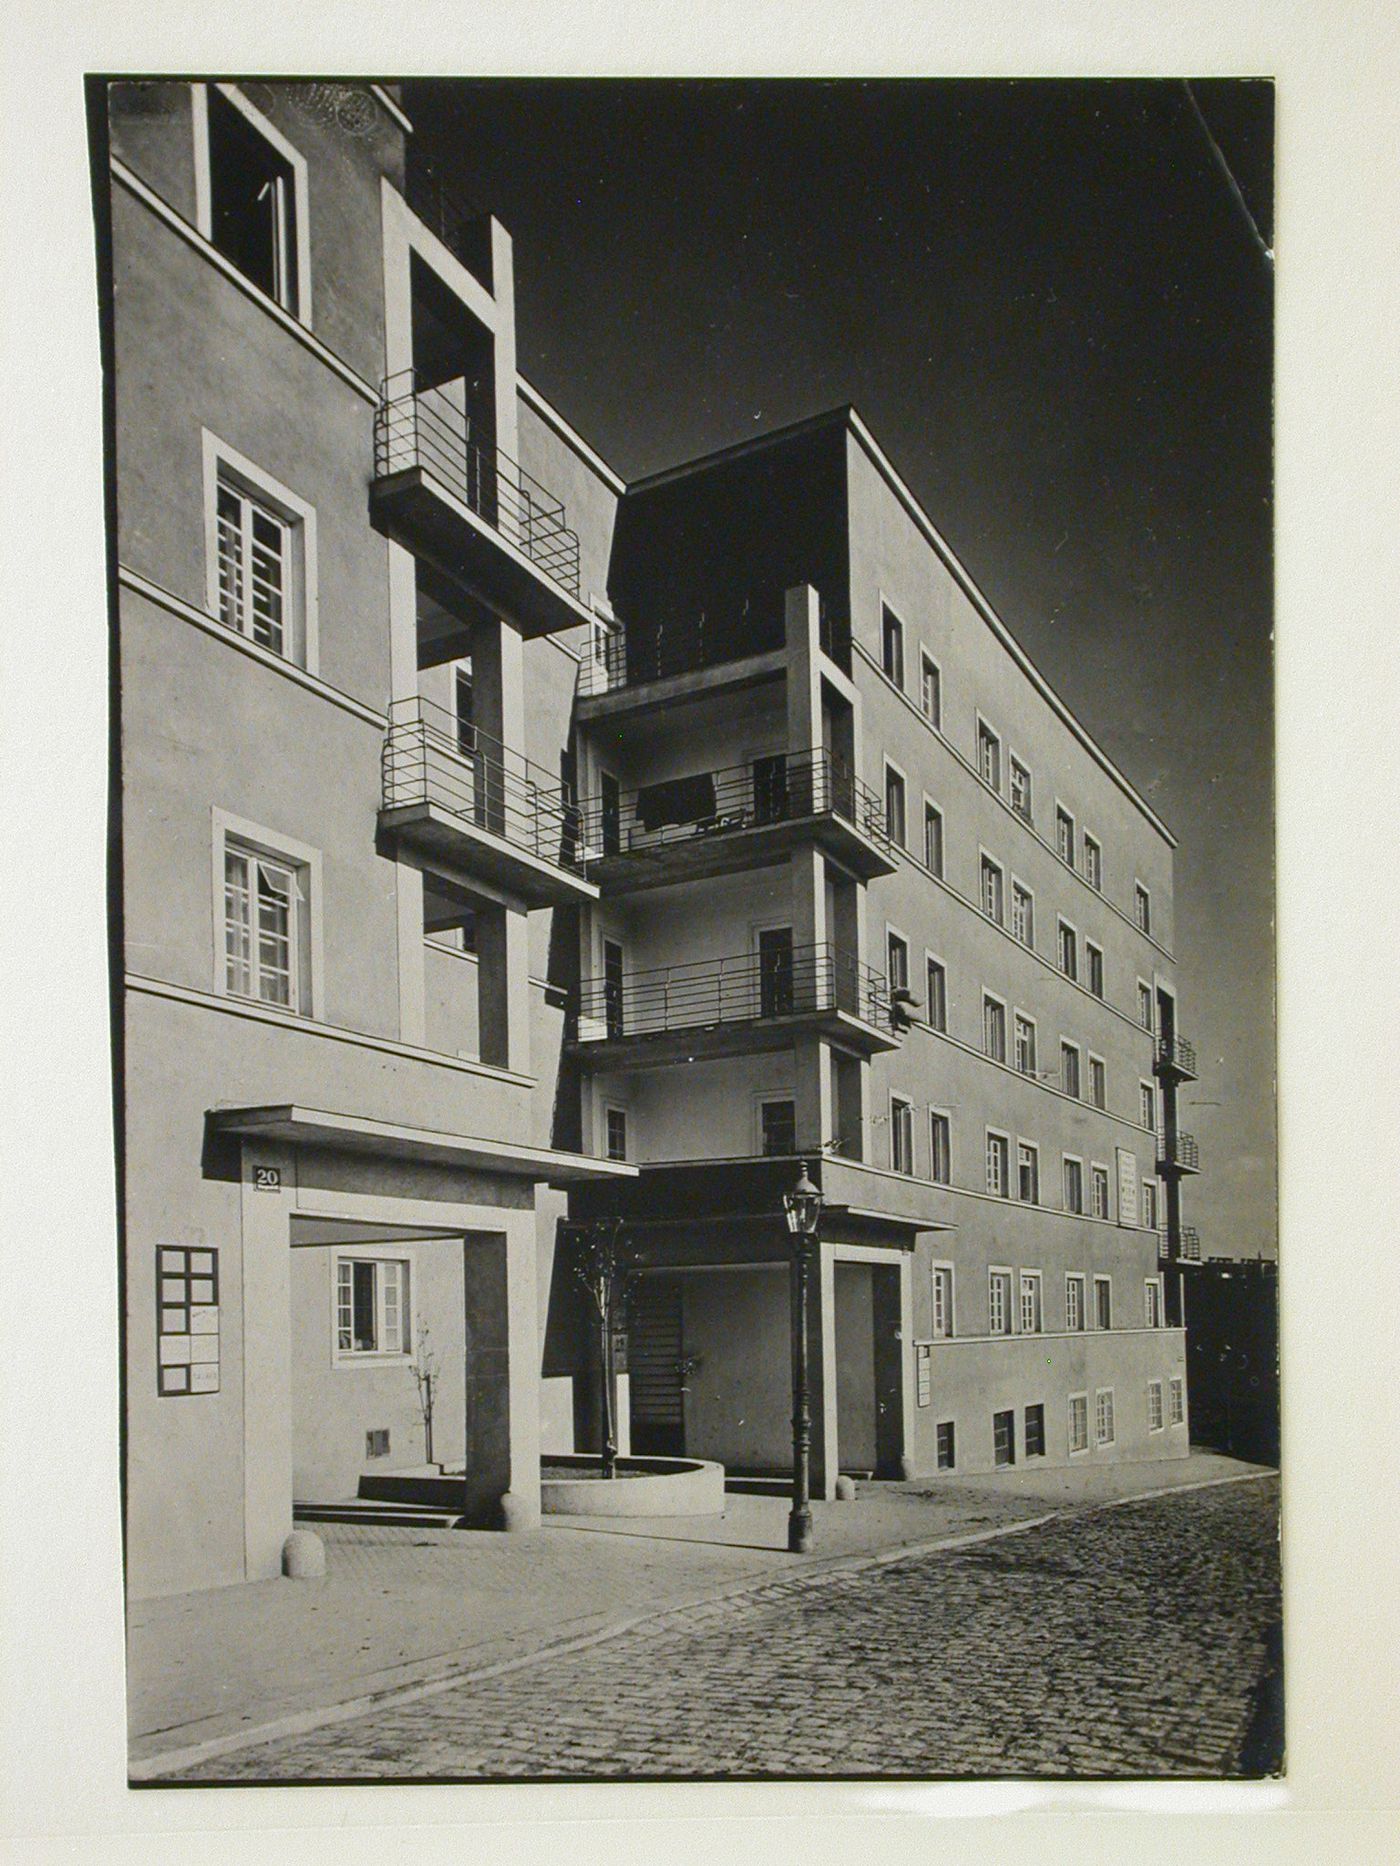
[656,1368]
[869,1387]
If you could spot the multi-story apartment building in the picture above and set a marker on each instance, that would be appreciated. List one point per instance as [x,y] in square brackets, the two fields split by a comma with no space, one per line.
[503,846]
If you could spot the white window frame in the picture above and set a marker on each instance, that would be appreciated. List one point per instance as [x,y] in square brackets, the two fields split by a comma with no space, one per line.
[1062,813]
[931,806]
[988,865]
[257,840]
[890,613]
[901,840]
[987,732]
[1014,763]
[620,1108]
[1152,1302]
[1001,1276]
[1104,1414]
[1099,1180]
[1023,1022]
[893,934]
[768,1097]
[1147,1096]
[1176,1400]
[1142,907]
[932,958]
[1068,1047]
[905,1107]
[375,1357]
[996,1134]
[1105,1282]
[927,664]
[1031,1148]
[1156,1411]
[1032,1287]
[1026,894]
[1145,995]
[1093,871]
[204,189]
[1063,926]
[1075,1279]
[1094,1059]
[1067,1160]
[302,606]
[944,1115]
[990,997]
[1082,1399]
[1151,1203]
[941,1268]
[1092,951]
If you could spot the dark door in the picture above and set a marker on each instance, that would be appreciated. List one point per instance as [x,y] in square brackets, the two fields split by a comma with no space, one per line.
[655,1361]
[770,788]
[612,987]
[775,972]
[611,812]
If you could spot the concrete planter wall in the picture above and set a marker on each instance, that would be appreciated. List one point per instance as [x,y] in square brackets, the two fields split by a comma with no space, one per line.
[653,1487]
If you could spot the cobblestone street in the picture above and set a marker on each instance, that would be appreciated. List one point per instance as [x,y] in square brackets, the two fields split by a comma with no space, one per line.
[1138,1641]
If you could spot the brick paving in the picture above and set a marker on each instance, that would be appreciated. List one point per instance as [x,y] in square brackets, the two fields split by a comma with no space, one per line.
[1138,1641]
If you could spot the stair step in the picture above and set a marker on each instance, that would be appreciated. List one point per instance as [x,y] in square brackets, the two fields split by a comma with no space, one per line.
[375,1515]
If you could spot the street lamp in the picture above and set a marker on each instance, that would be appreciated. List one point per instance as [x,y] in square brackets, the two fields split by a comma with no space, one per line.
[803,1209]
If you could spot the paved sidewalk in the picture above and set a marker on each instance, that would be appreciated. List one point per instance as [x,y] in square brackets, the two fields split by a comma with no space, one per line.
[405,1606]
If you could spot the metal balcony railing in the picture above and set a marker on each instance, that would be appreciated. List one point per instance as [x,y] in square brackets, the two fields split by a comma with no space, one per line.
[741,988]
[1175,1056]
[431,428]
[1179,1150]
[780,788]
[1189,1249]
[431,756]
[657,648]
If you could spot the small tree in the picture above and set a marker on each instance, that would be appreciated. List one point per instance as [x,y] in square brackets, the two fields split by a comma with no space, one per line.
[425,1374]
[605,1270]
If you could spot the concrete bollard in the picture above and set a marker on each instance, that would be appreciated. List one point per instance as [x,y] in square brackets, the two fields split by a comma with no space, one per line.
[303,1556]
[519,1512]
[845,1491]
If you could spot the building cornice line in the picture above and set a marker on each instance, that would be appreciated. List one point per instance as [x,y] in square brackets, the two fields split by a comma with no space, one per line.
[547,412]
[194,238]
[381,96]
[1039,1334]
[1030,829]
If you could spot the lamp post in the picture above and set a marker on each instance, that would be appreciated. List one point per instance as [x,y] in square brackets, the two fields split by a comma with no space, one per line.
[803,1209]
[598,1265]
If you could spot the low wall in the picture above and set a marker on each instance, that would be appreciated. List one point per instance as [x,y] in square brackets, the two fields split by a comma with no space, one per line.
[653,1487]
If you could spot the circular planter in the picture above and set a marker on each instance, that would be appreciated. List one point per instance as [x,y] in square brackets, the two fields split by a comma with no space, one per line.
[643,1487]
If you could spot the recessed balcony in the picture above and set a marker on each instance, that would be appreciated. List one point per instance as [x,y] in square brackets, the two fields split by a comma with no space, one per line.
[1176,1059]
[741,817]
[445,491]
[477,810]
[740,1004]
[1178,1153]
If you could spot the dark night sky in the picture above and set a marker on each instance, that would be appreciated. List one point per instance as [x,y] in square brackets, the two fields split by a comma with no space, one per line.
[1050,306]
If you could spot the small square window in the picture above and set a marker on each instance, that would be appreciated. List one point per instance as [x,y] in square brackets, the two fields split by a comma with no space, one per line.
[778,1124]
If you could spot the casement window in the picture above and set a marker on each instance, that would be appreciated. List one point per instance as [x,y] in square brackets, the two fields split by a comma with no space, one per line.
[260,556]
[988,756]
[1154,1406]
[933,839]
[1020,781]
[372,1306]
[930,690]
[1098,1082]
[942,1302]
[940,1139]
[892,646]
[1147,1106]
[998,1162]
[1103,1302]
[617,1133]
[264,909]
[1069,1069]
[1152,1305]
[1022,914]
[992,899]
[994,1029]
[1150,1207]
[895,816]
[1142,907]
[946,1445]
[999,1302]
[250,186]
[777,1123]
[1144,997]
[1064,835]
[937,980]
[1093,862]
[1079,1422]
[1098,1191]
[1068,946]
[1103,1416]
[901,1135]
[1177,1395]
[1031,1315]
[1093,961]
[1028,1173]
[1035,1431]
[1074,1304]
[1003,1438]
[1073,1184]
[1024,1041]
[897,957]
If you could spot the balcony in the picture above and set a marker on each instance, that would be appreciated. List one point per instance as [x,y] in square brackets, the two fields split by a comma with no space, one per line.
[477,810]
[741,817]
[444,490]
[1176,1059]
[1188,1247]
[1178,1153]
[737,645]
[737,1005]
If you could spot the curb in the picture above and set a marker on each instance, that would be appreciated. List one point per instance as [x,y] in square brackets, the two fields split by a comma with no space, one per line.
[301,1723]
